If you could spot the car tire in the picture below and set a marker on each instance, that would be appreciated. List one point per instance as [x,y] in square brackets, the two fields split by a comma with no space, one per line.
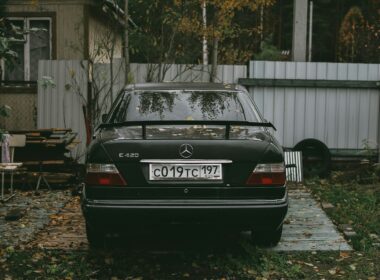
[313,148]
[95,237]
[267,238]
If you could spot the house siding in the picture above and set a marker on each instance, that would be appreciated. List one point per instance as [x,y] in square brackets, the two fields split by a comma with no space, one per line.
[77,26]
[24,111]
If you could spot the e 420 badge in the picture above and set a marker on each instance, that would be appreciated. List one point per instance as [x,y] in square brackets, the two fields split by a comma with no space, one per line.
[129,155]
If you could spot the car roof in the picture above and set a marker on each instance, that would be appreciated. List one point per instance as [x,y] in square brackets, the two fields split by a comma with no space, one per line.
[185,86]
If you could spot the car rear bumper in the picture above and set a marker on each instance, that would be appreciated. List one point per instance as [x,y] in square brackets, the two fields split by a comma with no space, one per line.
[244,214]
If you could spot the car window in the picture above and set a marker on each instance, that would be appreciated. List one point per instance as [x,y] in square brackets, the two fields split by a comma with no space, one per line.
[185,105]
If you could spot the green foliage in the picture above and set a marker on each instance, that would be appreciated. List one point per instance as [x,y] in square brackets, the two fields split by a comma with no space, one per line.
[327,22]
[359,33]
[6,53]
[47,81]
[268,51]
[5,111]
[157,39]
[351,35]
[9,34]
[173,32]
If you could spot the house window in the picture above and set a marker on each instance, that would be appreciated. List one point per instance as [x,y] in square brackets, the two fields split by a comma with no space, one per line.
[30,47]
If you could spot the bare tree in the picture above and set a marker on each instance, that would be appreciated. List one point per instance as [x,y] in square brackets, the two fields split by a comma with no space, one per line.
[103,73]
[126,41]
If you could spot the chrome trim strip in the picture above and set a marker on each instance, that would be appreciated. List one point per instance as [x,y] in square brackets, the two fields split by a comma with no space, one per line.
[186,161]
[208,203]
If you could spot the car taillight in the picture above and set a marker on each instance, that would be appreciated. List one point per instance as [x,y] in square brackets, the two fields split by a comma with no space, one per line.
[103,175]
[268,174]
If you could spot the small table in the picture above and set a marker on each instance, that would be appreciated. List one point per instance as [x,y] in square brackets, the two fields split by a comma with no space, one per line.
[9,168]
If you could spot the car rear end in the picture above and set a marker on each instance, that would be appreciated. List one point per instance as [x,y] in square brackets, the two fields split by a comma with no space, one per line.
[185,156]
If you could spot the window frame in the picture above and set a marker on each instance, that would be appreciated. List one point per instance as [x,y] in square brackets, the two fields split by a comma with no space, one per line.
[26,20]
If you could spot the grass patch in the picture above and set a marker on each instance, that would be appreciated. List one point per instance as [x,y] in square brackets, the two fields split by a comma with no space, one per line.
[355,205]
[256,264]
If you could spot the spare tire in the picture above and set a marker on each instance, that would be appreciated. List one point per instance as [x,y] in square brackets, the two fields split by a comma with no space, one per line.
[316,158]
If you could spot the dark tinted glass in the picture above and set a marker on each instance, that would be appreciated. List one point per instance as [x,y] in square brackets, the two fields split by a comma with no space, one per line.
[185,105]
[14,67]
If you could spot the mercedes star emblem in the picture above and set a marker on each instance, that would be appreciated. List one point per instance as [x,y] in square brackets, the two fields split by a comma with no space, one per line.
[186,150]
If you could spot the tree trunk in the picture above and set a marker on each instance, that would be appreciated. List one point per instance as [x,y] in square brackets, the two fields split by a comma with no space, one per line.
[204,41]
[214,64]
[126,41]
[111,67]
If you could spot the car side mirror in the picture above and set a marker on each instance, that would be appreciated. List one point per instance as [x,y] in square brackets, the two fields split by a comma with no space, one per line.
[104,118]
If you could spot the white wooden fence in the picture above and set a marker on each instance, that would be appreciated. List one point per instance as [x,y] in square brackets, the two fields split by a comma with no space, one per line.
[341,117]
[62,92]
[63,87]
[142,73]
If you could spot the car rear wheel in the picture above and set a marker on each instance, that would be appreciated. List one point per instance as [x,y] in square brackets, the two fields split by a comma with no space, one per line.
[266,237]
[95,237]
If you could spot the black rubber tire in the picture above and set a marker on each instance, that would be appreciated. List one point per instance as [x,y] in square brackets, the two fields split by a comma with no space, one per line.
[320,165]
[95,237]
[267,238]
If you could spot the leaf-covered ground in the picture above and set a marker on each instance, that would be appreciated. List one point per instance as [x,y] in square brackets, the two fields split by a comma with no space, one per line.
[205,255]
[32,214]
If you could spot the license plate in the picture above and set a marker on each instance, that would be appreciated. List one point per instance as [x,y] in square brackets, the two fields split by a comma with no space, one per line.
[185,172]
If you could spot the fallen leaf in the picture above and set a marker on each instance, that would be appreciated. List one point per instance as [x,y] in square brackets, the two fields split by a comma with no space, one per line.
[307,234]
[344,255]
[374,236]
[250,271]
[195,265]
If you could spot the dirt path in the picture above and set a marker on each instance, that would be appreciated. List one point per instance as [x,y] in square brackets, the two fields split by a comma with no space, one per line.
[65,231]
[26,214]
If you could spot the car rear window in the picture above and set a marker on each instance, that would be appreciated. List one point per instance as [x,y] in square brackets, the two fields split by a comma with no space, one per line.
[184,105]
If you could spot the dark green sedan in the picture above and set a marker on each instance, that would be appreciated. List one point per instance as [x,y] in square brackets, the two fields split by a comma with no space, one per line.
[196,154]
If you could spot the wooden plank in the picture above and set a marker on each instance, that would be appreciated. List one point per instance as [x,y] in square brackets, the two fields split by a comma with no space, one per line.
[307,245]
[40,130]
[307,227]
[44,162]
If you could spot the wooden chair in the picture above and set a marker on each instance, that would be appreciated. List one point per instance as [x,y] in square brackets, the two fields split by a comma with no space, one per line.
[11,167]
